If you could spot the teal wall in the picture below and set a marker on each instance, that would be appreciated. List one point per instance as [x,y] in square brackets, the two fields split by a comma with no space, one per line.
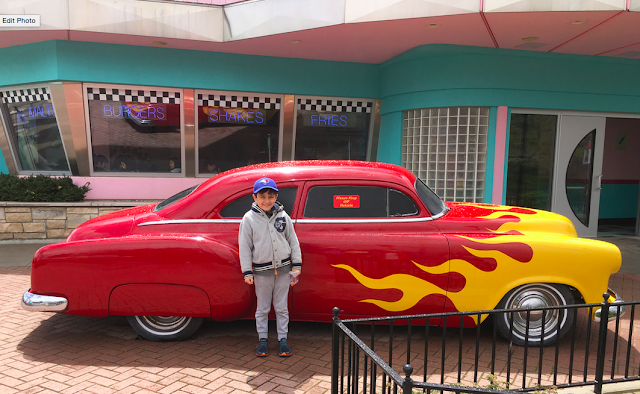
[618,201]
[426,76]
[137,65]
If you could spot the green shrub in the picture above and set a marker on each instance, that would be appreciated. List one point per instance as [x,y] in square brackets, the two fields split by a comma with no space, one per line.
[40,188]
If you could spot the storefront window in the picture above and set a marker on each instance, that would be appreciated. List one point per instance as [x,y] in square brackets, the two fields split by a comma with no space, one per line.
[135,130]
[530,166]
[332,129]
[236,129]
[32,129]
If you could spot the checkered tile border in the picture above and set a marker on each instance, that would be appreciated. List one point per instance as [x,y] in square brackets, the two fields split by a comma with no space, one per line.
[234,101]
[25,95]
[335,105]
[133,95]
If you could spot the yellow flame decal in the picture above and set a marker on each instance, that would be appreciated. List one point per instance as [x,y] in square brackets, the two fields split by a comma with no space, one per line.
[413,288]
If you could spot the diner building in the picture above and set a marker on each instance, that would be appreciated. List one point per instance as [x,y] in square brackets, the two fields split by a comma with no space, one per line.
[527,103]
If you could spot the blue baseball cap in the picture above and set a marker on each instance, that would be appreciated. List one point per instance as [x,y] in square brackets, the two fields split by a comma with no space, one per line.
[264,183]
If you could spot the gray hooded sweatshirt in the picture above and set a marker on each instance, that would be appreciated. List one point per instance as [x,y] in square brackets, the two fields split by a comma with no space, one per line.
[268,244]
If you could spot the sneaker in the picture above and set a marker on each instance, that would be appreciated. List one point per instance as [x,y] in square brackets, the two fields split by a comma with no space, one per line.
[263,348]
[285,350]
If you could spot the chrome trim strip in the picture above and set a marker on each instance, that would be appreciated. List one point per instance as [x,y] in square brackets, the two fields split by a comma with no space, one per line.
[339,221]
[190,221]
[42,303]
[382,220]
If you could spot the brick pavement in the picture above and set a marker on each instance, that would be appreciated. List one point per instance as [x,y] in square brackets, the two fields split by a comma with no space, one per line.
[54,353]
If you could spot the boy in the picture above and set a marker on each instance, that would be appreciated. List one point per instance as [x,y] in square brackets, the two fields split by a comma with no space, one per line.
[270,258]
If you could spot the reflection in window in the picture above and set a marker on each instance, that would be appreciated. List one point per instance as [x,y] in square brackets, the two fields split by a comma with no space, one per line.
[240,206]
[579,178]
[236,130]
[135,130]
[330,129]
[531,149]
[33,130]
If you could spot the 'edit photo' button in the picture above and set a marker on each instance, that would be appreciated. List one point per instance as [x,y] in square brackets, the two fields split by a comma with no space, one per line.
[19,21]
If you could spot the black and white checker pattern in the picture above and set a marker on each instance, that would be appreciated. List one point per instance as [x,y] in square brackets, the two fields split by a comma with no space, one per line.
[335,105]
[133,95]
[25,95]
[236,101]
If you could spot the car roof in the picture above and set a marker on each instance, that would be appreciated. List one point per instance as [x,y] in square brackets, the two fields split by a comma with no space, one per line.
[221,186]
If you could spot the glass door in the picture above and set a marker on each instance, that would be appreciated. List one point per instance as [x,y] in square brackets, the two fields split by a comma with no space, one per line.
[578,172]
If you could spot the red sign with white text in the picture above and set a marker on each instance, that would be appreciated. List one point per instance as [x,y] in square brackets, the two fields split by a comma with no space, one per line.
[346,201]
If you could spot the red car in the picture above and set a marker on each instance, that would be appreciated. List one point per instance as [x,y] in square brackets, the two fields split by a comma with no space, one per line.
[376,241]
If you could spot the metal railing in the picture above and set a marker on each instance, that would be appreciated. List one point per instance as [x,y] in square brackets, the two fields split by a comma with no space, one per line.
[593,352]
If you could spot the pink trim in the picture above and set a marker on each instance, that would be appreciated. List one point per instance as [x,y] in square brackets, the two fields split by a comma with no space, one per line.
[121,188]
[585,32]
[500,149]
[486,24]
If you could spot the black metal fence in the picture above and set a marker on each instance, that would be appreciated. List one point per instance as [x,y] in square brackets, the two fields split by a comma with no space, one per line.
[438,355]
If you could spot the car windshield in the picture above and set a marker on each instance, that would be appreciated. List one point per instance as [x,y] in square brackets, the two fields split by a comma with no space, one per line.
[175,198]
[434,204]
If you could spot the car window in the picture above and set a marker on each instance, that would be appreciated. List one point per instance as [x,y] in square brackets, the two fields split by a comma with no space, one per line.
[434,204]
[400,204]
[238,207]
[346,201]
[175,198]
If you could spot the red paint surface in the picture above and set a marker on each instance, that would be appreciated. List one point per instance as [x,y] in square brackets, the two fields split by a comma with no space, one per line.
[112,259]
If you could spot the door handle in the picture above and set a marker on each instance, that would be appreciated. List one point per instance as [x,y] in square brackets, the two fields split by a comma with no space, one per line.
[599,187]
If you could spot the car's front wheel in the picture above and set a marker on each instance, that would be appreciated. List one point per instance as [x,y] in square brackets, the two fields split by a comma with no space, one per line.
[556,322]
[165,328]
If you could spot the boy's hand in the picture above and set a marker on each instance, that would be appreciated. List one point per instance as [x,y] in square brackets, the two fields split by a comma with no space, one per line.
[248,280]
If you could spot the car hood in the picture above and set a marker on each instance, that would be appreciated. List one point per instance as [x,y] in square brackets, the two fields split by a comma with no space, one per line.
[467,218]
[114,224]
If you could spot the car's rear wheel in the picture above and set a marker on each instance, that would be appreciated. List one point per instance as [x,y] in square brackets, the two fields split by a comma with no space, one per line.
[556,322]
[165,328]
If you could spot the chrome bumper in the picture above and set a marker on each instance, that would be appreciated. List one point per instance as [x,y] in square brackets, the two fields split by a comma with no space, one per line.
[613,309]
[43,303]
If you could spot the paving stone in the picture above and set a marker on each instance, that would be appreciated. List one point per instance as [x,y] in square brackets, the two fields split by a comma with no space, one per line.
[49,213]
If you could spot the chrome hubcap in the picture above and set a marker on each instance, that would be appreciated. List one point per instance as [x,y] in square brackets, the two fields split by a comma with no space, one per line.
[535,297]
[165,323]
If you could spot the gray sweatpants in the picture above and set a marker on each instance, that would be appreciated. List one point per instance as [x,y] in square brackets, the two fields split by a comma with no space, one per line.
[272,289]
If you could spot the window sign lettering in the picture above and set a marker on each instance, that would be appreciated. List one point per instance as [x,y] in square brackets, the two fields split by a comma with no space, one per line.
[135,110]
[236,115]
[36,112]
[329,119]
[346,201]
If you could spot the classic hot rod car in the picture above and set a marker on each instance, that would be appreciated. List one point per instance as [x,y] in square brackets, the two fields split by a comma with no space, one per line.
[375,240]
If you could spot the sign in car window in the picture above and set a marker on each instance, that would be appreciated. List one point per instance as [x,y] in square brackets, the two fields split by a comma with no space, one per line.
[346,201]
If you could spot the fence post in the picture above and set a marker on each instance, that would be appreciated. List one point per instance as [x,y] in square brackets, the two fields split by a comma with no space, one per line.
[335,351]
[602,344]
[407,384]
